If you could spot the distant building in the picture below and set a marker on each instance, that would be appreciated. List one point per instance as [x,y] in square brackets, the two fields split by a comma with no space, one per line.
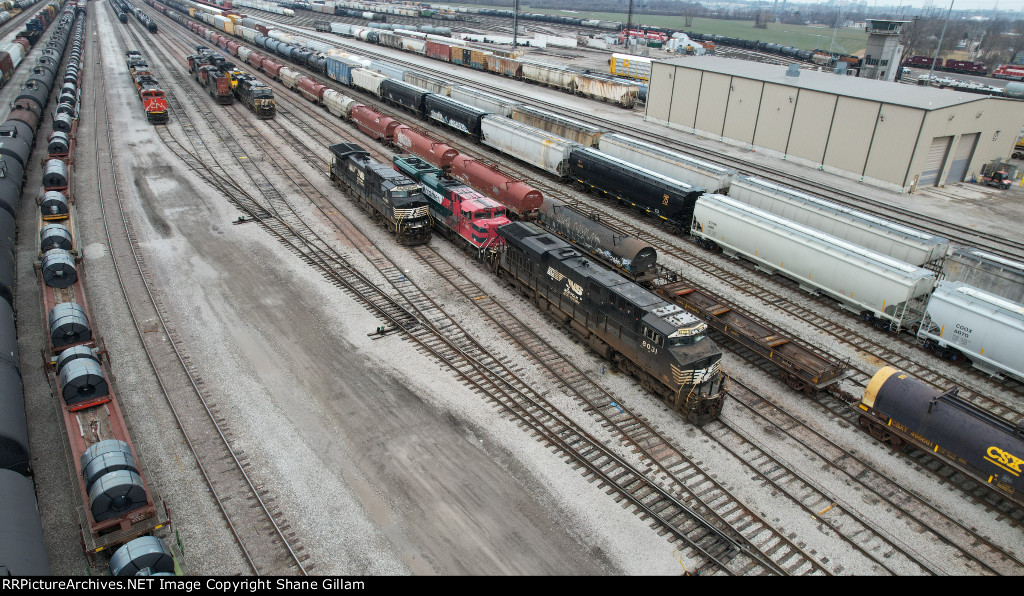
[901,137]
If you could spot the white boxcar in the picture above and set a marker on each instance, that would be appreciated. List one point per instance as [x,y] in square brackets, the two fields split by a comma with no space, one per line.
[870,231]
[484,101]
[863,280]
[617,92]
[991,273]
[552,75]
[432,84]
[532,145]
[984,327]
[673,164]
[341,29]
[17,52]
[289,77]
[367,79]
[338,104]
[416,46]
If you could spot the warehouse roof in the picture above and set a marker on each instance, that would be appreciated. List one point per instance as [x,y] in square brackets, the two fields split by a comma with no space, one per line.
[925,98]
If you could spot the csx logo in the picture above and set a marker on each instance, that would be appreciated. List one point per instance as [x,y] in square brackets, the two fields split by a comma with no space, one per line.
[1007,461]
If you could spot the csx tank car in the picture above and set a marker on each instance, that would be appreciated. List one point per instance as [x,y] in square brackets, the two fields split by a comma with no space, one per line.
[389,195]
[899,409]
[655,341]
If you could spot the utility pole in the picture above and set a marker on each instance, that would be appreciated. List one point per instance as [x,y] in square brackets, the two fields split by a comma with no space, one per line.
[629,23]
[515,24]
[931,71]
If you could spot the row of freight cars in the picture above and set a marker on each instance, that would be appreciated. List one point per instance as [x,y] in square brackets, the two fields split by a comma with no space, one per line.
[225,82]
[122,6]
[14,52]
[604,87]
[600,86]
[882,263]
[950,65]
[105,470]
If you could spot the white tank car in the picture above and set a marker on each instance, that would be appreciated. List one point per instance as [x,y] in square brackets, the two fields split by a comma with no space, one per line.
[984,327]
[862,280]
[867,230]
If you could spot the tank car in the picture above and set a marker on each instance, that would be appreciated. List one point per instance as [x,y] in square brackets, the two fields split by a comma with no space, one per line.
[900,410]
[635,258]
[393,196]
[655,341]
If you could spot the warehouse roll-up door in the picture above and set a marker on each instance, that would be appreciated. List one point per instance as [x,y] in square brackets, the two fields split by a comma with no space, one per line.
[936,157]
[962,157]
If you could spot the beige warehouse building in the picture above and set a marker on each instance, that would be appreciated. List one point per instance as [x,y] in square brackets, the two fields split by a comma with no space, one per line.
[897,136]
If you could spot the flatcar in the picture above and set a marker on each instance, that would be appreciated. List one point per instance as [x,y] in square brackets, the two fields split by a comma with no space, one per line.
[900,410]
[389,195]
[653,340]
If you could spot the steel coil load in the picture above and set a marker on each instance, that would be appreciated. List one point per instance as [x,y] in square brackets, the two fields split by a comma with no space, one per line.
[68,324]
[55,174]
[71,98]
[54,203]
[82,380]
[59,142]
[111,461]
[75,353]
[59,269]
[116,493]
[147,555]
[71,88]
[66,108]
[54,236]
[98,449]
[62,123]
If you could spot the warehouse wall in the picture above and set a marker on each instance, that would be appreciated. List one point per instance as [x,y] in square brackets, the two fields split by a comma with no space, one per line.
[880,143]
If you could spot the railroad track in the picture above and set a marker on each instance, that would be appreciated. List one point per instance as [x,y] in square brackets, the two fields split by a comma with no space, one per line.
[1001,245]
[268,546]
[491,377]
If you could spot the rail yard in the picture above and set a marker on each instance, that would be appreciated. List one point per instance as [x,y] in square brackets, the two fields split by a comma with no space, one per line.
[300,315]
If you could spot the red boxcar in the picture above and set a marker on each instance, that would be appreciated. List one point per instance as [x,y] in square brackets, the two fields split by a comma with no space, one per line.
[262,29]
[6,66]
[520,198]
[272,68]
[373,123]
[310,89]
[439,51]
[419,144]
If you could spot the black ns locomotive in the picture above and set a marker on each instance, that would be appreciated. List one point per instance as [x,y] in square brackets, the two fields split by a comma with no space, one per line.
[390,196]
[655,341]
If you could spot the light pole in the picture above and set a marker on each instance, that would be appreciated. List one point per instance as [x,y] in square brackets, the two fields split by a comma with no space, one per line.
[941,36]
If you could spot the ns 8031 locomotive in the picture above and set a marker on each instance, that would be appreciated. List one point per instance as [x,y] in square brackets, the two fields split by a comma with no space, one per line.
[655,341]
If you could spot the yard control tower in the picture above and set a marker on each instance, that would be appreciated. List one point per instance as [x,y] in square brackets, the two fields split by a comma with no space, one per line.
[883,53]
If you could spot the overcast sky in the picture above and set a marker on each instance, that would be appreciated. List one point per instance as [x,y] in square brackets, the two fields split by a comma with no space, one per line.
[957,4]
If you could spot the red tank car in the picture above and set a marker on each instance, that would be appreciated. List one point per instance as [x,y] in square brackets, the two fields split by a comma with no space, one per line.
[520,198]
[418,143]
[311,90]
[271,68]
[255,60]
[375,124]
